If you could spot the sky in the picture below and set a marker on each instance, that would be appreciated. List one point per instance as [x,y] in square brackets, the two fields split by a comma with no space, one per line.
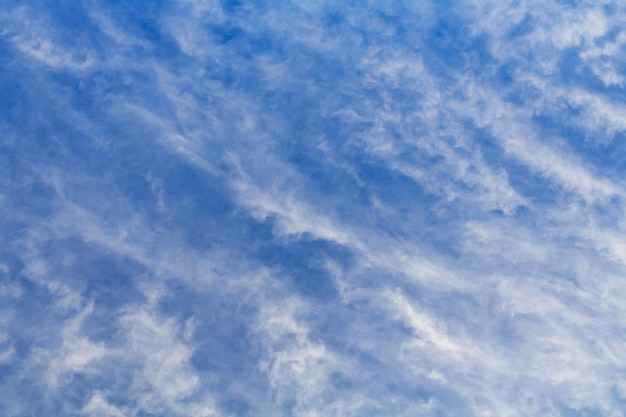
[312,208]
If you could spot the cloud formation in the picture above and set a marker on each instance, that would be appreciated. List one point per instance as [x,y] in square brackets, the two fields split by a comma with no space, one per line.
[311,209]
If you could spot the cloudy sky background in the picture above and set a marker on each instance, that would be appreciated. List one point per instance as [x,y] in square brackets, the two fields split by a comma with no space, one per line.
[312,208]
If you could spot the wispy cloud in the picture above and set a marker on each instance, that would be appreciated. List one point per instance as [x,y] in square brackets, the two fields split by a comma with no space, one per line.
[312,209]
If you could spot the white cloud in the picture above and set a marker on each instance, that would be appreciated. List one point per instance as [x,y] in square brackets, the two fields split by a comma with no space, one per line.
[297,367]
[425,328]
[75,354]
[293,216]
[521,141]
[31,33]
[7,349]
[99,407]
[165,380]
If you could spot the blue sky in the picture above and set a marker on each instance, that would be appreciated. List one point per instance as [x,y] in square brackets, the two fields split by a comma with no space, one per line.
[312,208]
